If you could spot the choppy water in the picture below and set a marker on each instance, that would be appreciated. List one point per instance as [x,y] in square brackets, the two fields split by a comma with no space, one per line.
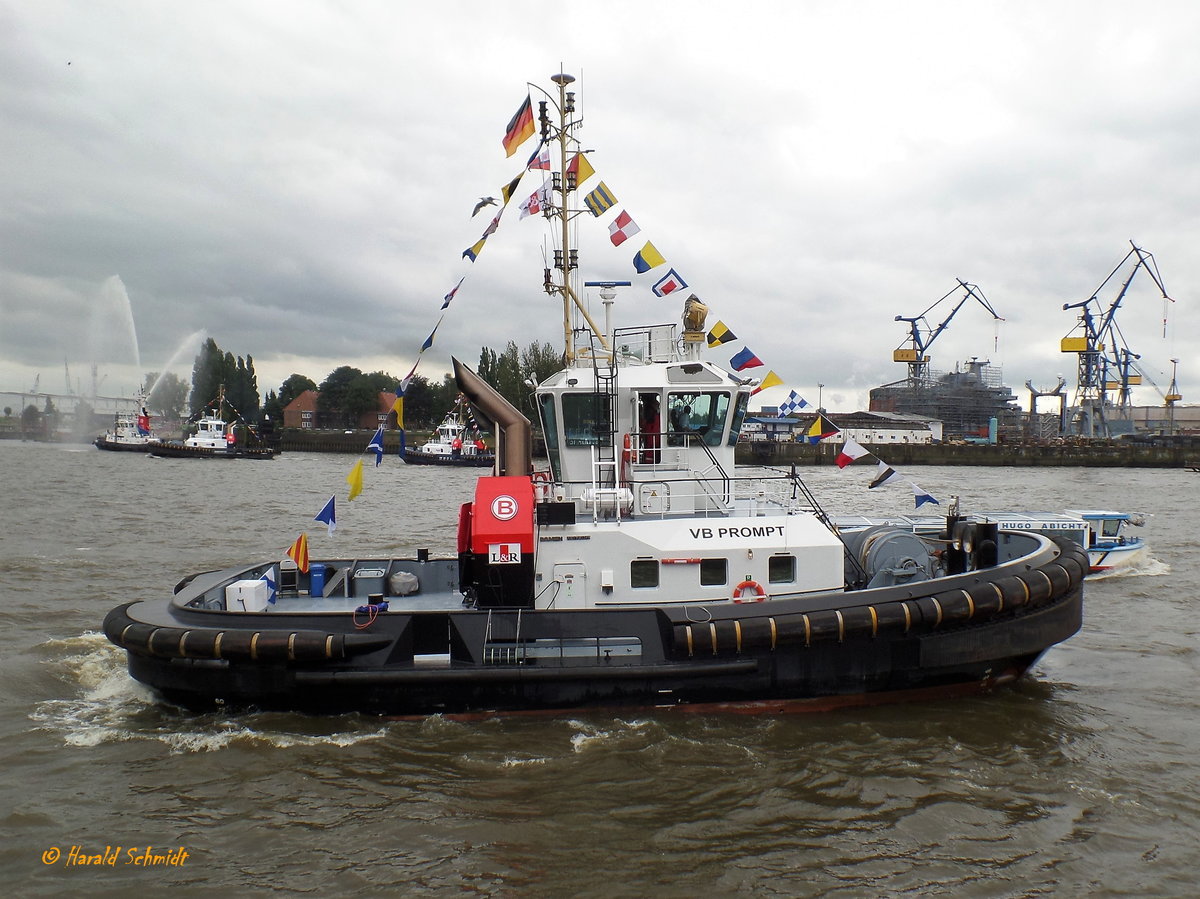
[1084,780]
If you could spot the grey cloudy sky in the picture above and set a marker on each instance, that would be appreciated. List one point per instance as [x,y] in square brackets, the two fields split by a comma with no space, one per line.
[295,179]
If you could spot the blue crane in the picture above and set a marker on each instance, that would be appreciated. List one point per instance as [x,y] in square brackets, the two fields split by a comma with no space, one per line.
[922,334]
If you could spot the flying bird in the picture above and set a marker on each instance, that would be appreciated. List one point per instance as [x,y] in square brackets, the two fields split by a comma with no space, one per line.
[483,201]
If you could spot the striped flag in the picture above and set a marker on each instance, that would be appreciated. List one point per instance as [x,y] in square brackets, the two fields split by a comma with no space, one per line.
[600,200]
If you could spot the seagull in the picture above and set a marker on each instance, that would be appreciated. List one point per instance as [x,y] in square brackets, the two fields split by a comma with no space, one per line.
[483,201]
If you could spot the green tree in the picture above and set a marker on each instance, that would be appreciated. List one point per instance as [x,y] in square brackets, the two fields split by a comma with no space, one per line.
[215,372]
[292,388]
[334,400]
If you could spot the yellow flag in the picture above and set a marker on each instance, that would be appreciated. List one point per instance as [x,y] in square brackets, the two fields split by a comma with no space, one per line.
[354,479]
[771,380]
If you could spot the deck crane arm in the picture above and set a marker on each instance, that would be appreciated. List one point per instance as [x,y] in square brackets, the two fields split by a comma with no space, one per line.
[920,341]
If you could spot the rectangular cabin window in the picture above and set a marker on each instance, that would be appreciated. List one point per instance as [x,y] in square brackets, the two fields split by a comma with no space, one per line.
[702,413]
[739,414]
[586,419]
[643,573]
[550,430]
[714,572]
[1110,527]
[781,569]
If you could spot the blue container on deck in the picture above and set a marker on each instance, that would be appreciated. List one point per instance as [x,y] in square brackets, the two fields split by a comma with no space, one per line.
[316,579]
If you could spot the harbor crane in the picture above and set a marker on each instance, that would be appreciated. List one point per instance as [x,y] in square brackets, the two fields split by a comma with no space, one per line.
[922,334]
[1105,362]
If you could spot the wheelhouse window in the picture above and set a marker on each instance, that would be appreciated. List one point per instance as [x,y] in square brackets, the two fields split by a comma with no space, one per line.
[714,572]
[699,413]
[550,430]
[586,419]
[781,569]
[643,573]
[739,414]
[1110,527]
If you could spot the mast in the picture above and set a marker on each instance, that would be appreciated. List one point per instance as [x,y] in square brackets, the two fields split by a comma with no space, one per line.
[566,259]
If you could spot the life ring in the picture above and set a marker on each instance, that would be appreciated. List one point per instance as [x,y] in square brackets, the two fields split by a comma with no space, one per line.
[759,593]
[541,476]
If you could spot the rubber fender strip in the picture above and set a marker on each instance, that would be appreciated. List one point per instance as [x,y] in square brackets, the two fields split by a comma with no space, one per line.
[691,647]
[937,605]
[292,647]
[712,633]
[182,649]
[841,625]
[970,605]
[807,631]
[999,596]
[907,616]
[737,631]
[220,638]
[874,621]
[774,633]
[329,646]
[254,646]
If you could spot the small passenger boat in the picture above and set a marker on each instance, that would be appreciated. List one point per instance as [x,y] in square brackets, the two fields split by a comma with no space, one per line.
[639,569]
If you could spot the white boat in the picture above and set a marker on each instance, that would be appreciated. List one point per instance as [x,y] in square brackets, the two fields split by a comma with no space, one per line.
[130,432]
[1109,548]
[640,569]
[457,441]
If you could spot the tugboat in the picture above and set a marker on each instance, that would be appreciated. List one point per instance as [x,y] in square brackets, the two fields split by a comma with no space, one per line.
[639,570]
[457,441]
[130,432]
[215,438]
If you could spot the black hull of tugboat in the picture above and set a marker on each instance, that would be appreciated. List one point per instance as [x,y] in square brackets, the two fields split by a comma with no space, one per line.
[416,457]
[179,451]
[965,633]
[111,446]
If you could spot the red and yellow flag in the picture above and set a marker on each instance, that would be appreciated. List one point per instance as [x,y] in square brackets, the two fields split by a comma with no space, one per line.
[298,552]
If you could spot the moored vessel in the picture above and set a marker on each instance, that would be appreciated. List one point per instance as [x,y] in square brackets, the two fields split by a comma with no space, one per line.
[639,569]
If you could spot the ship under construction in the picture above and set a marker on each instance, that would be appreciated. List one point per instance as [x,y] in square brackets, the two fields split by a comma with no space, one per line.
[970,401]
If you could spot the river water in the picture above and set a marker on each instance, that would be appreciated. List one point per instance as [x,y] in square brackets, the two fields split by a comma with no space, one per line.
[1084,779]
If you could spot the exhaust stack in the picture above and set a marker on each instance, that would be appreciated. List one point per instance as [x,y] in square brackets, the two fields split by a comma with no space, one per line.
[514,433]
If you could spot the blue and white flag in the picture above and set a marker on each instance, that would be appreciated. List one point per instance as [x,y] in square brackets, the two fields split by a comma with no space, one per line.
[270,586]
[376,446]
[328,516]
[923,497]
[794,403]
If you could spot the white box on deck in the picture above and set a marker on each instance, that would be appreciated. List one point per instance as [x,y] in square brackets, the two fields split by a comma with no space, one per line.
[247,596]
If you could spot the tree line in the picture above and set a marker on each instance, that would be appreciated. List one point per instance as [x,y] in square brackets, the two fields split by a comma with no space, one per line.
[347,393]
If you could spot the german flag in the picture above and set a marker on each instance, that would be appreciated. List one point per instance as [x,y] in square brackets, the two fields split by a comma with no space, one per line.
[520,128]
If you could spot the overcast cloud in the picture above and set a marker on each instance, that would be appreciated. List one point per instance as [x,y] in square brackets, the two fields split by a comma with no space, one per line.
[295,179]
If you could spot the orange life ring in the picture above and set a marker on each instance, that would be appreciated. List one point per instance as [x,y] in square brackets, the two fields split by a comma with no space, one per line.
[759,593]
[541,476]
